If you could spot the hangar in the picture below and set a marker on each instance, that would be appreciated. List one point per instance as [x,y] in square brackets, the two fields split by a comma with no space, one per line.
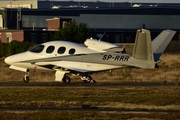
[119,23]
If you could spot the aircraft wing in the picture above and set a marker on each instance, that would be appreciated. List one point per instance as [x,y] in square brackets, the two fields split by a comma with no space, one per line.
[114,49]
[62,67]
[103,46]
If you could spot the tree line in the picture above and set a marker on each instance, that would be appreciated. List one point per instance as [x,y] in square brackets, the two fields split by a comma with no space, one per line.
[73,32]
[14,47]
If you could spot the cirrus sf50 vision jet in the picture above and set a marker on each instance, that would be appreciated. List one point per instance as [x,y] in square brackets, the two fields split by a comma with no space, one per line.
[65,57]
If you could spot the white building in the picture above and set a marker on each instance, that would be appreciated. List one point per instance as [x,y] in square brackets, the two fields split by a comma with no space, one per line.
[31,4]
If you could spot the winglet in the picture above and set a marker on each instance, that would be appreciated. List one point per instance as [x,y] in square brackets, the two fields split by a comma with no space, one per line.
[160,43]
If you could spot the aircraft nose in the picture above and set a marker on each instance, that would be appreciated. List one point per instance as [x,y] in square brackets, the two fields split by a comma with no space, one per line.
[13,59]
[8,60]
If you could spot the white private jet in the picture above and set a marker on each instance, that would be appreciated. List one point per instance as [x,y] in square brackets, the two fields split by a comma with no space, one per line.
[67,57]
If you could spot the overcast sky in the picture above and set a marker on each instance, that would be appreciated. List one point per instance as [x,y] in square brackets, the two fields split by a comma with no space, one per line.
[146,1]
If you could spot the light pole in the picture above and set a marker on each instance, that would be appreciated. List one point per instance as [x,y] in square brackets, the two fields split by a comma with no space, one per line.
[18,17]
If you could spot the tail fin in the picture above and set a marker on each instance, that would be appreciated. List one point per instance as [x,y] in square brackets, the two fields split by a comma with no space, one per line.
[143,47]
[160,43]
[146,53]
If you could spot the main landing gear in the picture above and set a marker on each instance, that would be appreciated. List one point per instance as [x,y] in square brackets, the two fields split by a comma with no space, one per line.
[87,79]
[26,77]
[66,79]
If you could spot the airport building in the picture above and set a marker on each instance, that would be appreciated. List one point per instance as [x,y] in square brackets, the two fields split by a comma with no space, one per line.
[30,22]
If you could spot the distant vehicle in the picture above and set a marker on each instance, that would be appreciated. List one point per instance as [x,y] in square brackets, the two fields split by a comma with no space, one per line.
[67,57]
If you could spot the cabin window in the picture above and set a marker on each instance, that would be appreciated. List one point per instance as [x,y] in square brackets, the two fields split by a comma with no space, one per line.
[37,49]
[50,49]
[61,50]
[72,51]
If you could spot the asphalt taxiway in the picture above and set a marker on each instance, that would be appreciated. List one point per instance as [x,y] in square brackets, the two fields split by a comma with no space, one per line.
[105,84]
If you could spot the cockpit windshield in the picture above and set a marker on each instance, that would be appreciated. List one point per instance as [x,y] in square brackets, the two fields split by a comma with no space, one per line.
[37,49]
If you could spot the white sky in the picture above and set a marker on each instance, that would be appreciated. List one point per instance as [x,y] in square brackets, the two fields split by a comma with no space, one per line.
[134,1]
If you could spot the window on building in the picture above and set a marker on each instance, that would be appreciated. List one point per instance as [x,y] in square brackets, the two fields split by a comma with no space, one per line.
[117,38]
[61,50]
[50,49]
[8,37]
[34,37]
[107,37]
[64,24]
[44,37]
[128,39]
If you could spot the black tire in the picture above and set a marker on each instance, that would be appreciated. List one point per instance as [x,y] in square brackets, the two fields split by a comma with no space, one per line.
[89,78]
[26,79]
[66,79]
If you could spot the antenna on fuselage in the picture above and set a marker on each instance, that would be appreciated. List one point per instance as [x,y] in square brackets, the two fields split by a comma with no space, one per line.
[102,36]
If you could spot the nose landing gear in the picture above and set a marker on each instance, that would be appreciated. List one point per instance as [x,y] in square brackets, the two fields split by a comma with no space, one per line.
[26,77]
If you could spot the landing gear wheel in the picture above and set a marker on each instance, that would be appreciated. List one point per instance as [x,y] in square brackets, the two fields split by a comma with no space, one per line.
[87,79]
[66,79]
[26,79]
[156,66]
